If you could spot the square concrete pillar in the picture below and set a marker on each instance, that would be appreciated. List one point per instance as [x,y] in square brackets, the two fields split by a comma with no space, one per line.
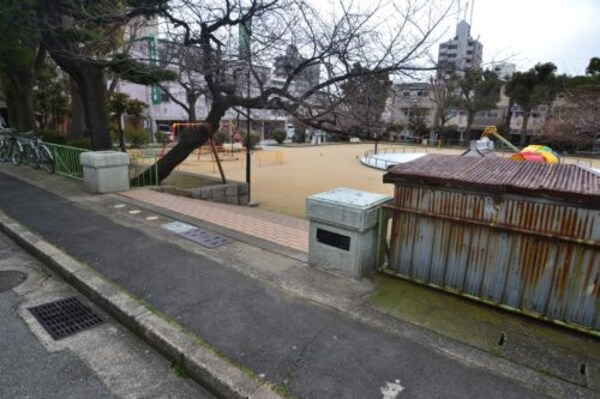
[343,231]
[105,171]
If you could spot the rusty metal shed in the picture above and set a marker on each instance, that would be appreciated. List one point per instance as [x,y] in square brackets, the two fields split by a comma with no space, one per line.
[519,235]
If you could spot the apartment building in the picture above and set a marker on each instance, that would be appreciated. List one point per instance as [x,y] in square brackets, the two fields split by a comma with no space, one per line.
[460,53]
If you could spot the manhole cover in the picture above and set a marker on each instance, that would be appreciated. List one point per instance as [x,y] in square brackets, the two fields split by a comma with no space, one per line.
[65,317]
[205,237]
[10,279]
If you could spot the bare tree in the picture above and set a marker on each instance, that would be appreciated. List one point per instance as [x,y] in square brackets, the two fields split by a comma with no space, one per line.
[186,63]
[383,37]
[574,123]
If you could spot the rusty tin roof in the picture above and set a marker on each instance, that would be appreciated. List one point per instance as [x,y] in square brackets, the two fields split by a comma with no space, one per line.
[500,175]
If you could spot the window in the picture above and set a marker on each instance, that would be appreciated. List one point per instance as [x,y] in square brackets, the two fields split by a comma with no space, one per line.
[406,93]
[164,95]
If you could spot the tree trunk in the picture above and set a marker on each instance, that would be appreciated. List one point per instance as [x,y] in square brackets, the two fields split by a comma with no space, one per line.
[19,91]
[121,134]
[186,145]
[508,115]
[93,91]
[77,128]
[191,100]
[92,87]
[188,142]
[523,140]
[470,118]
[10,101]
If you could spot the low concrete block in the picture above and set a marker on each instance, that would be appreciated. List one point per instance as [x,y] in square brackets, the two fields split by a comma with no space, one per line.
[206,194]
[218,192]
[231,189]
[232,199]
[105,171]
[343,231]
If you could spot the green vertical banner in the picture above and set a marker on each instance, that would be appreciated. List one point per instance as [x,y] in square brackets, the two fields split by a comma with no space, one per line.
[155,92]
[245,32]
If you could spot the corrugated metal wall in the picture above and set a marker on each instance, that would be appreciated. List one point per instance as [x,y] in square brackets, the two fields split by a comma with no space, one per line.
[532,255]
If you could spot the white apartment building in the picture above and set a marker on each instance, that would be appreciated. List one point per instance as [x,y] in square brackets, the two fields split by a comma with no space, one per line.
[504,70]
[406,101]
[460,53]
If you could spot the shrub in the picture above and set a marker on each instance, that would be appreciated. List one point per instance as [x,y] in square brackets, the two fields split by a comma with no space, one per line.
[53,136]
[161,136]
[221,137]
[279,136]
[254,139]
[81,143]
[136,137]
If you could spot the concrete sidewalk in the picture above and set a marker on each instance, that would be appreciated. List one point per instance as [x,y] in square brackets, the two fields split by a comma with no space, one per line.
[236,299]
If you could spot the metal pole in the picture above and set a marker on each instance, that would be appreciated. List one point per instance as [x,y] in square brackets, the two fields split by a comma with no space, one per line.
[248,144]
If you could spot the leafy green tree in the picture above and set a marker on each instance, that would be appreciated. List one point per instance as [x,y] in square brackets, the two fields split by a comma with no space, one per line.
[539,85]
[21,54]
[593,68]
[120,104]
[476,91]
[51,96]
[83,38]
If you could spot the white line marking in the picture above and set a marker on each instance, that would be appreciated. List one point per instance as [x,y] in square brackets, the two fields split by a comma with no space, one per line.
[391,390]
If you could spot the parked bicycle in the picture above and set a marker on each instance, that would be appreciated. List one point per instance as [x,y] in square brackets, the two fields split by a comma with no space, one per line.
[33,151]
[8,144]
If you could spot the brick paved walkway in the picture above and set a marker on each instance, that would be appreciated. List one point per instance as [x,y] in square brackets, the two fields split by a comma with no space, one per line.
[281,229]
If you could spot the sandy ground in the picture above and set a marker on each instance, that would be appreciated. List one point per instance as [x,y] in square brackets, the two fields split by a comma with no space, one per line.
[282,177]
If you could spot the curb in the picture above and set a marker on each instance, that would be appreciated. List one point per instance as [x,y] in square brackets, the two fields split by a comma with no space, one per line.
[202,363]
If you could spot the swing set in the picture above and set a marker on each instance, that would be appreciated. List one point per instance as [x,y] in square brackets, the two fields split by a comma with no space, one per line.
[173,137]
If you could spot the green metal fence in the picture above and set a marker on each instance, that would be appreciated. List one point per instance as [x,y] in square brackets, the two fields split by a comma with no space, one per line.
[66,160]
[143,170]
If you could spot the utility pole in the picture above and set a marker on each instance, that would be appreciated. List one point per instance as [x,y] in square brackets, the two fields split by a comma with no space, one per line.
[248,142]
[245,33]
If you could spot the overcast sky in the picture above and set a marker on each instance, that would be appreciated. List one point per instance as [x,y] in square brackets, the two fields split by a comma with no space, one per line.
[565,32]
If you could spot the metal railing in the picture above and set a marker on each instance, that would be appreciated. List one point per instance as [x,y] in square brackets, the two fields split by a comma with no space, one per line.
[143,169]
[66,160]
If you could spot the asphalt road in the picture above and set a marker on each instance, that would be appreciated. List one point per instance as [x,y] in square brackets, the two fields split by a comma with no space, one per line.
[104,362]
[312,351]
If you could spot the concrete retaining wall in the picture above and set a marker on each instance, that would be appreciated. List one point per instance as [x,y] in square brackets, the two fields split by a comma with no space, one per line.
[231,193]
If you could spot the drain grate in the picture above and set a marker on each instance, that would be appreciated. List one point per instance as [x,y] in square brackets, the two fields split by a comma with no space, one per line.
[10,279]
[205,237]
[196,234]
[65,317]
